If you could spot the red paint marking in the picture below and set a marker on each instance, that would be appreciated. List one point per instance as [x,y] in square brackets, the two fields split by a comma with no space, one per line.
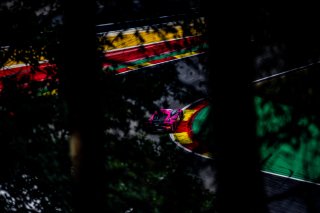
[123,70]
[24,75]
[186,126]
[114,57]
[183,127]
[197,108]
[39,74]
[141,52]
[199,147]
[13,71]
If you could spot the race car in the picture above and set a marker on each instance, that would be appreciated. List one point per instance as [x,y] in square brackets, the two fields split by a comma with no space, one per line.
[165,120]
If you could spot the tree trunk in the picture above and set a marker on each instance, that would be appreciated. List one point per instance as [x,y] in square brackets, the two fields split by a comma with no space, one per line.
[80,87]
[239,180]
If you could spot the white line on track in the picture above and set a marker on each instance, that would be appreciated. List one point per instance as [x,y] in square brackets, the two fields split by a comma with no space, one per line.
[285,72]
[142,28]
[292,178]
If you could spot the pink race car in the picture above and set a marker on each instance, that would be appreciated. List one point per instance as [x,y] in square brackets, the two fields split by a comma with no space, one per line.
[165,119]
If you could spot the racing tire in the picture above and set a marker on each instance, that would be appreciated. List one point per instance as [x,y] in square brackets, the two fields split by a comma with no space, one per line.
[181,115]
[173,127]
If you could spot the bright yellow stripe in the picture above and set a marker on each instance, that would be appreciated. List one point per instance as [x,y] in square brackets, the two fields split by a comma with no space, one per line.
[186,54]
[187,113]
[207,154]
[143,37]
[12,62]
[182,137]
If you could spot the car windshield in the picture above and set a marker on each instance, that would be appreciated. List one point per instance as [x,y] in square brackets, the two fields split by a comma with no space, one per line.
[159,116]
[173,112]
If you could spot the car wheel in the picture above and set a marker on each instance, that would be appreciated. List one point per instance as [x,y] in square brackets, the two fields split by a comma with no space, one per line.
[181,115]
[173,128]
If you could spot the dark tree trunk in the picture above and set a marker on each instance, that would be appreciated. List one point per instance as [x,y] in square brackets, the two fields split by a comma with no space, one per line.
[239,180]
[80,86]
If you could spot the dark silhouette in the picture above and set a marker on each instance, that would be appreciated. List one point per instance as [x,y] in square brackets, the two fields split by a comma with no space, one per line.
[231,60]
[80,87]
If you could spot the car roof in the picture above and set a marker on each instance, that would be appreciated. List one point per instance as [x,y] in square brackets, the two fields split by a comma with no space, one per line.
[166,109]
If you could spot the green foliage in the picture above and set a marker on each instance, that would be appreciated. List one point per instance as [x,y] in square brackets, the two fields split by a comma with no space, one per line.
[34,153]
[142,174]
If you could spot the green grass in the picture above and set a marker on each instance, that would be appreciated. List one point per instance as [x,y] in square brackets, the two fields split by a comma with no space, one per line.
[289,139]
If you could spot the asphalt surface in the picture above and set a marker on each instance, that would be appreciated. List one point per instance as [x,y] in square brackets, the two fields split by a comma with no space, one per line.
[291,196]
